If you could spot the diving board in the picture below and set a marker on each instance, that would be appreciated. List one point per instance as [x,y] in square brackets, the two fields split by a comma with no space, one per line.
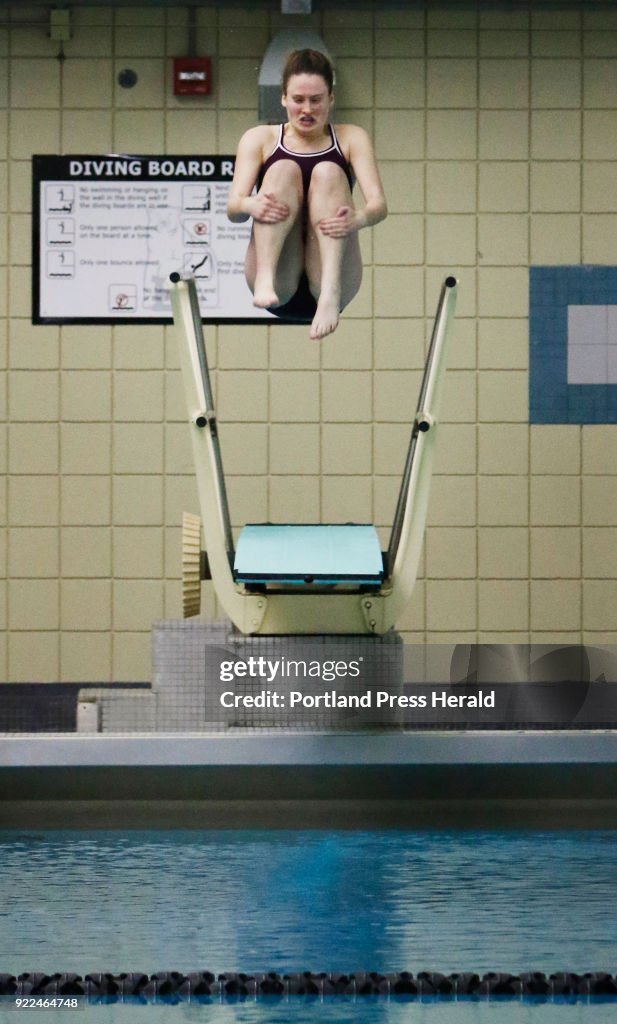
[296,553]
[312,579]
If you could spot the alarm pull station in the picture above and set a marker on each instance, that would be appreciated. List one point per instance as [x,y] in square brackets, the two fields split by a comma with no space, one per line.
[192,76]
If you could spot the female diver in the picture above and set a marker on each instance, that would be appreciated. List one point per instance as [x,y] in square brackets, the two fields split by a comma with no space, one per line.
[303,260]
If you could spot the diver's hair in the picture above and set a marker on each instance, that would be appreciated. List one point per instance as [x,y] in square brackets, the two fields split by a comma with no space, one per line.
[308,62]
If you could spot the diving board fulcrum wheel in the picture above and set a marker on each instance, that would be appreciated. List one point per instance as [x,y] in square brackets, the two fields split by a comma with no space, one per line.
[191,564]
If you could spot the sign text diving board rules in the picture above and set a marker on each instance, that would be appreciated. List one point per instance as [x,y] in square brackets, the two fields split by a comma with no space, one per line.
[107,231]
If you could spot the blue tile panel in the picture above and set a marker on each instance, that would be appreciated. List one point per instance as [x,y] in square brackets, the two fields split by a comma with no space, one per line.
[551,291]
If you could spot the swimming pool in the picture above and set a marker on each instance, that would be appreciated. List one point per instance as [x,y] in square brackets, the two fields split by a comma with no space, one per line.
[315,900]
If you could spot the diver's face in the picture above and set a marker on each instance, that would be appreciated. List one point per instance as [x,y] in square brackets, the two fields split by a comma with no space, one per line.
[307,102]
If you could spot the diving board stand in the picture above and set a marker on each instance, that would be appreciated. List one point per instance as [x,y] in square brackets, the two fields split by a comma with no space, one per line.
[319,579]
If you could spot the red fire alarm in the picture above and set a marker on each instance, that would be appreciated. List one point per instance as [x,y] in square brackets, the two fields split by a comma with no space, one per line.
[192,76]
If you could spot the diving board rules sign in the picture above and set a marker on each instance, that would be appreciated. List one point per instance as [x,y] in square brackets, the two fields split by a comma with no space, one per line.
[107,231]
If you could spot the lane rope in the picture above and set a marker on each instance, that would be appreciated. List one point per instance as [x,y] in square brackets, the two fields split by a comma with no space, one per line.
[176,986]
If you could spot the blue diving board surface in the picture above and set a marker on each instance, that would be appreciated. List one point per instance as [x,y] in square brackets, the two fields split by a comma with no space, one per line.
[285,553]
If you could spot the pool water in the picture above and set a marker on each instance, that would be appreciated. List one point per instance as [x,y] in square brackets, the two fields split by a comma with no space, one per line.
[290,901]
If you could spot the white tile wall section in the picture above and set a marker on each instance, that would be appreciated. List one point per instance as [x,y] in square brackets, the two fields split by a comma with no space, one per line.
[587,325]
[587,364]
[592,344]
[611,325]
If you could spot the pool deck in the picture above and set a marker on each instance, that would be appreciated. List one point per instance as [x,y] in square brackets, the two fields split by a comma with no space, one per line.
[275,777]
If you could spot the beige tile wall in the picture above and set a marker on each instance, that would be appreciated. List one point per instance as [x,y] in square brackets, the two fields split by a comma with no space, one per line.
[497,138]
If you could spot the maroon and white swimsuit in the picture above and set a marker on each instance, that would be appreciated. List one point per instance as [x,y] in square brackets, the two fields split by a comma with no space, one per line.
[307,161]
[302,304]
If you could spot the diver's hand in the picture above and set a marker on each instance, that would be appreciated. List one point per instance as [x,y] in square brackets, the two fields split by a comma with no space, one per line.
[345,221]
[265,208]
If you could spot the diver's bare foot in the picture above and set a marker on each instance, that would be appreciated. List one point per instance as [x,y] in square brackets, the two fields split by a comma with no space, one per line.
[326,317]
[264,295]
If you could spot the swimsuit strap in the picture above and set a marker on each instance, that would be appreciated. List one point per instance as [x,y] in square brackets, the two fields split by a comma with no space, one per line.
[278,144]
[335,140]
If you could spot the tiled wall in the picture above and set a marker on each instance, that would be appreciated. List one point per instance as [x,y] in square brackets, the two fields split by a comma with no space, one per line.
[496,133]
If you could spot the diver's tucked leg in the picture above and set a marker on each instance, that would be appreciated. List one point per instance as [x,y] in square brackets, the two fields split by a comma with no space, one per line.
[333,265]
[272,279]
